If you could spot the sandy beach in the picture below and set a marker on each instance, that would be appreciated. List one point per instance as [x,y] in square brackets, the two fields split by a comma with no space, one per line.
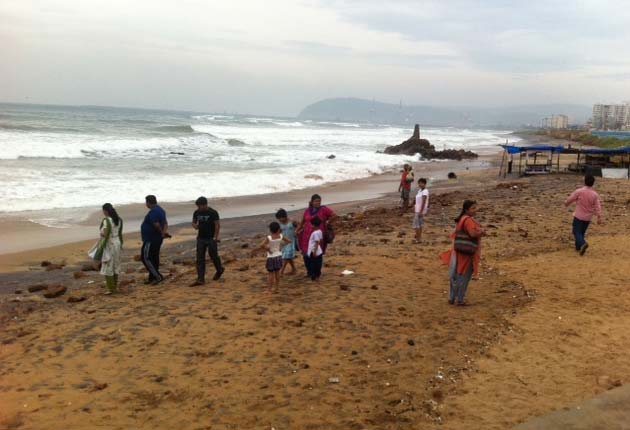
[378,349]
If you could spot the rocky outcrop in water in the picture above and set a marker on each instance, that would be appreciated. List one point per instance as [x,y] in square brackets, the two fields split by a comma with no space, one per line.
[416,145]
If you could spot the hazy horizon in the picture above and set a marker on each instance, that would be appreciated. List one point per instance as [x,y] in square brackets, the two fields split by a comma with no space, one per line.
[278,57]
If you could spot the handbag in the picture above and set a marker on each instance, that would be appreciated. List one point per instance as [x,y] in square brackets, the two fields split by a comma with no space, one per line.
[465,244]
[330,234]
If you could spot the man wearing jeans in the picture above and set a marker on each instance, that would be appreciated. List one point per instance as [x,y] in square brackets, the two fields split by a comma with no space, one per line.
[587,204]
[206,222]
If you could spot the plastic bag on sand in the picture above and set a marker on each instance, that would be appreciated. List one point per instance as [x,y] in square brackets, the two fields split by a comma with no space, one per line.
[347,272]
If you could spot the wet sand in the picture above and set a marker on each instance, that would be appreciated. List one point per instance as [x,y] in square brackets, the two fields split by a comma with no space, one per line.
[379,349]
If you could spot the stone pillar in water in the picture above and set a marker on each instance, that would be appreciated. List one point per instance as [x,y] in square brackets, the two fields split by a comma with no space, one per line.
[416,132]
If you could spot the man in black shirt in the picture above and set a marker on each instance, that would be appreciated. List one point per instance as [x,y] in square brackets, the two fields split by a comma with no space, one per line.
[206,222]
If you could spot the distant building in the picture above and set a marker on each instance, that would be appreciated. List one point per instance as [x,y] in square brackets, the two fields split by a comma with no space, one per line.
[556,122]
[611,116]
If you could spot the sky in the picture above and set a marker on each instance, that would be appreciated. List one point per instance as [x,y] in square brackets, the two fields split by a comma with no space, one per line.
[274,57]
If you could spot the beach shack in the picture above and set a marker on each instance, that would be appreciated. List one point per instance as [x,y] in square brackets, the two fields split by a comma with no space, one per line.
[532,160]
[608,163]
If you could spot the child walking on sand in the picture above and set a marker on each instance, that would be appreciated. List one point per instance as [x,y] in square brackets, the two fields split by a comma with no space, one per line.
[273,245]
[314,258]
[288,231]
[421,208]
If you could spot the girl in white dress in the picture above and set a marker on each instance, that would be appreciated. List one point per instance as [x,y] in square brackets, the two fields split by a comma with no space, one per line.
[110,247]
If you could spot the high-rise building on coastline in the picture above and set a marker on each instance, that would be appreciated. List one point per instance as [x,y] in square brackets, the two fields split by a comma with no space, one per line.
[611,116]
[556,122]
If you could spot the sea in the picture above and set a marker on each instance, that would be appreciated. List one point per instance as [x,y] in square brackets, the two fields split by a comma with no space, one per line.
[58,157]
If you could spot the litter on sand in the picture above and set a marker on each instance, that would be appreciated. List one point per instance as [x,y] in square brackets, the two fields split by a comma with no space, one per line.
[347,272]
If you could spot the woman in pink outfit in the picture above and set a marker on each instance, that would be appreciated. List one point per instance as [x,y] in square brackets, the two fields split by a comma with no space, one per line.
[305,229]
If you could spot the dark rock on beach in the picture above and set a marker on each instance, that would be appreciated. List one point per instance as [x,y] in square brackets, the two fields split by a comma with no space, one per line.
[416,145]
[55,291]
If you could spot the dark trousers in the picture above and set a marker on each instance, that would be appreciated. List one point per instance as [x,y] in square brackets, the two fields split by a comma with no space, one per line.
[579,232]
[150,257]
[313,266]
[211,246]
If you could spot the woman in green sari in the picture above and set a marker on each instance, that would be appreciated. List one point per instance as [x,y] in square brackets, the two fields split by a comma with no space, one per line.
[110,247]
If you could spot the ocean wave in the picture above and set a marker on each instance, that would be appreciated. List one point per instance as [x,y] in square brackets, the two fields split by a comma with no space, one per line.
[24,127]
[175,128]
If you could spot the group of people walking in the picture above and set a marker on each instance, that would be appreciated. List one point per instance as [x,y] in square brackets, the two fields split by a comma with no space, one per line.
[310,237]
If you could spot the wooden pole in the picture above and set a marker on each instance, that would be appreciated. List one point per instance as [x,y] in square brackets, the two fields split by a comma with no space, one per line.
[502,160]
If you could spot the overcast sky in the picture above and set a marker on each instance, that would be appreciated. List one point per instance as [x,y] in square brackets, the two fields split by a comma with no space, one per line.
[276,56]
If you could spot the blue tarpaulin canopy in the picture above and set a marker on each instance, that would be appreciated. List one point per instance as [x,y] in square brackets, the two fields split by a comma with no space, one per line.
[511,149]
[616,151]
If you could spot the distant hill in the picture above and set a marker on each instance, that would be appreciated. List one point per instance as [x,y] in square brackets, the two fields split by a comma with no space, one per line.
[366,111]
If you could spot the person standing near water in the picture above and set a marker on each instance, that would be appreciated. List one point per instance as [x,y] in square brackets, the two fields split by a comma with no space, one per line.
[421,208]
[154,230]
[463,259]
[110,247]
[405,187]
[206,222]
[587,204]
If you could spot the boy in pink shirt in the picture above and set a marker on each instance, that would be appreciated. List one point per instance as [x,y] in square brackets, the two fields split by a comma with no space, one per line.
[587,204]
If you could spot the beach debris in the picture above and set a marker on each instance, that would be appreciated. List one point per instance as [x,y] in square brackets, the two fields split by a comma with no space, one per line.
[333,380]
[98,386]
[347,272]
[35,288]
[53,266]
[452,175]
[79,275]
[410,342]
[331,157]
[76,299]
[55,291]
[45,263]
[19,291]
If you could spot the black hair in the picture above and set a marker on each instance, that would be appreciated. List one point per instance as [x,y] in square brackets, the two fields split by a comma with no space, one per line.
[274,227]
[201,201]
[467,205]
[316,222]
[107,207]
[423,180]
[151,199]
[281,214]
[313,198]
[589,180]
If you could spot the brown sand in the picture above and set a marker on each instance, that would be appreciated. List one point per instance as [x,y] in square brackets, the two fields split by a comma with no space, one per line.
[380,349]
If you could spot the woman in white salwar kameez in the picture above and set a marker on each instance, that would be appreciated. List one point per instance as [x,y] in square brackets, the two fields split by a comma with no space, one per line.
[110,247]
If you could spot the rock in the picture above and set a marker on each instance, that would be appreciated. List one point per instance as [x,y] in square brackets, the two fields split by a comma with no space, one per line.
[125,282]
[245,246]
[452,175]
[19,291]
[316,177]
[35,288]
[177,153]
[236,142]
[45,263]
[55,291]
[52,267]
[331,157]
[374,287]
[88,267]
[416,145]
[410,342]
[76,299]
[79,275]
[98,386]
[416,132]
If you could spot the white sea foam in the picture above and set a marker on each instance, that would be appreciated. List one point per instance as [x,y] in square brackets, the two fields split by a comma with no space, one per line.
[180,157]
